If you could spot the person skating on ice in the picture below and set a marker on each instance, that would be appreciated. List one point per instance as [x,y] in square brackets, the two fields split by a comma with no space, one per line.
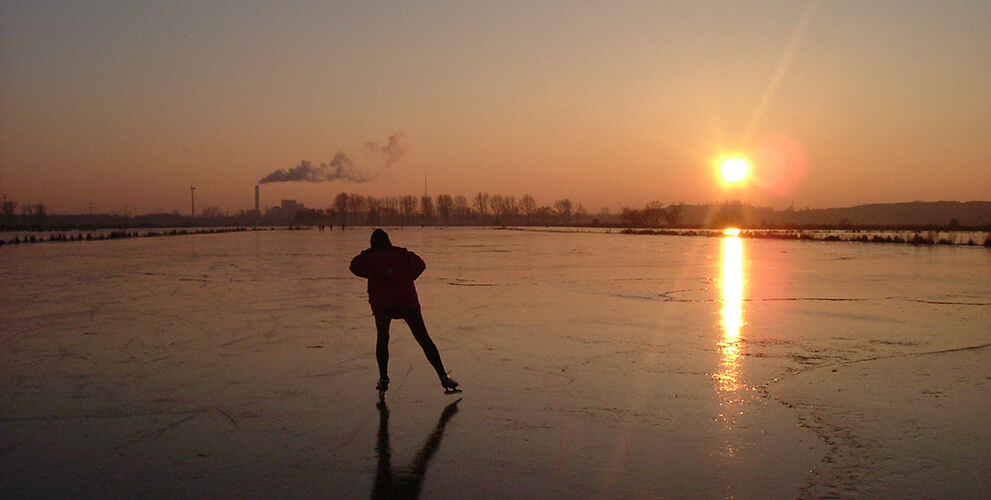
[390,272]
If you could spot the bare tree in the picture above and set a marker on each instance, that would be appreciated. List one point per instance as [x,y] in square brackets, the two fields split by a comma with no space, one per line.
[511,210]
[673,214]
[427,209]
[356,204]
[504,208]
[445,205]
[461,209]
[528,206]
[580,212]
[482,204]
[390,210]
[8,209]
[544,214]
[211,212]
[495,202]
[631,217]
[40,212]
[563,210]
[26,212]
[374,210]
[407,207]
[653,213]
[341,206]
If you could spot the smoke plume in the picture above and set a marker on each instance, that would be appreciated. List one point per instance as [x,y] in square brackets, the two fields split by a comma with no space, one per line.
[342,167]
[394,150]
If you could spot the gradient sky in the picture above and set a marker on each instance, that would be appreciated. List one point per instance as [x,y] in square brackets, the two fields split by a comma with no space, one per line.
[124,104]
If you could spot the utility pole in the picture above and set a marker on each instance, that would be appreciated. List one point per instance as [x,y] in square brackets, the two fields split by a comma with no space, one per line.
[192,201]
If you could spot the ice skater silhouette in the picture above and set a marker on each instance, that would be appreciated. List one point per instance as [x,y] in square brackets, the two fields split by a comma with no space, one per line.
[390,272]
[408,482]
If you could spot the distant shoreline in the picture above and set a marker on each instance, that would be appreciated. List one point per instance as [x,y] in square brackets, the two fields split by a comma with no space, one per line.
[904,236]
[60,236]
[911,216]
[891,236]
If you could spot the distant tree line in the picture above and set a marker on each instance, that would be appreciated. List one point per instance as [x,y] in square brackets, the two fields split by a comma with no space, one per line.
[351,209]
[346,209]
[32,216]
[653,215]
[482,209]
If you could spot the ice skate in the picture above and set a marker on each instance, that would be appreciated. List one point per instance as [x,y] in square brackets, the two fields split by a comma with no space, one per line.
[382,386]
[450,385]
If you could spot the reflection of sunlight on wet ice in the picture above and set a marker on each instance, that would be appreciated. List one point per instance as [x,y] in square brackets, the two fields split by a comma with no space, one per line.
[728,376]
[732,314]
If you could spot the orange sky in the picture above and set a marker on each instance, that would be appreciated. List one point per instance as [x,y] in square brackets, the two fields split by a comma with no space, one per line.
[123,105]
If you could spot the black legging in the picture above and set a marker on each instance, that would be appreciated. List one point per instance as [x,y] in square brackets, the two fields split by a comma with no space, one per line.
[415,321]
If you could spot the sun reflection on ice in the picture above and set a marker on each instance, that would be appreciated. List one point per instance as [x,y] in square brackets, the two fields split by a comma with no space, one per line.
[727,378]
[732,312]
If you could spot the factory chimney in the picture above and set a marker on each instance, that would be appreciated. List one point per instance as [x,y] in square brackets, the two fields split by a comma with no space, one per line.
[257,206]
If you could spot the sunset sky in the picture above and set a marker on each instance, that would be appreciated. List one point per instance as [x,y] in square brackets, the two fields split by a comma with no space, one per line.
[124,104]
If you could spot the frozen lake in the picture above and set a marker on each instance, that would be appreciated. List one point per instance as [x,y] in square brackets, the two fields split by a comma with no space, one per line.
[594,365]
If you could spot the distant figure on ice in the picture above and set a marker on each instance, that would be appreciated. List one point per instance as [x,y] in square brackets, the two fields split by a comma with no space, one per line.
[390,272]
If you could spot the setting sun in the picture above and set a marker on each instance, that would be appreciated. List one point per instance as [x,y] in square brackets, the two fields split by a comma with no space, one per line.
[734,169]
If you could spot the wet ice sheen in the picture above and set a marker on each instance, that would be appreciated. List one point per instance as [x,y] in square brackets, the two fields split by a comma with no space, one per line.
[594,365]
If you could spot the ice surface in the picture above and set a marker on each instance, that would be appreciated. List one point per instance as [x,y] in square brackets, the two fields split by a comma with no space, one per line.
[594,365]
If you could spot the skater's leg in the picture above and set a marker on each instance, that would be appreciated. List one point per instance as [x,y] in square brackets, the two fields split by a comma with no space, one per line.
[382,345]
[419,329]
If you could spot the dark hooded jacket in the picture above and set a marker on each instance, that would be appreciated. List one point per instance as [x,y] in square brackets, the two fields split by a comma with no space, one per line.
[390,272]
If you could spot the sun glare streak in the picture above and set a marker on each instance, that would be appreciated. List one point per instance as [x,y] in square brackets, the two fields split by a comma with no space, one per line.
[779,71]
